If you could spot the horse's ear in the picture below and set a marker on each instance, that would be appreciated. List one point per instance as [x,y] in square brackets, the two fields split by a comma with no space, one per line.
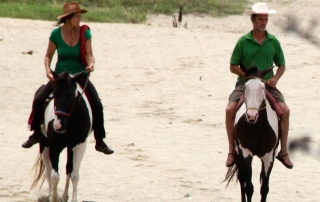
[78,76]
[55,75]
[264,72]
[252,71]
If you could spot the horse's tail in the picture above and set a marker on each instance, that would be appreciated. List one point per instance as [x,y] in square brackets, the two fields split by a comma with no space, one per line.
[231,173]
[38,169]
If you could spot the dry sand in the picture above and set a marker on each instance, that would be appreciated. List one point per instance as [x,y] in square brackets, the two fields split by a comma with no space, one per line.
[164,92]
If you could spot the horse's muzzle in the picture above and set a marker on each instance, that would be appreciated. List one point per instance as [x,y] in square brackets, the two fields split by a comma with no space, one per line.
[252,116]
[60,125]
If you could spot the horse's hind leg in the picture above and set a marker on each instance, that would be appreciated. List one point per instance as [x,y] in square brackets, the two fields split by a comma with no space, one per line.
[77,156]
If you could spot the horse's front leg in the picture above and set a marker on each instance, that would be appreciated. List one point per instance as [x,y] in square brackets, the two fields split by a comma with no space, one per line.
[246,169]
[55,177]
[55,181]
[267,165]
[65,195]
[242,184]
[77,157]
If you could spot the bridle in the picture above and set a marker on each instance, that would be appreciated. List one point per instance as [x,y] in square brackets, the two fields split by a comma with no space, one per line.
[76,100]
[262,108]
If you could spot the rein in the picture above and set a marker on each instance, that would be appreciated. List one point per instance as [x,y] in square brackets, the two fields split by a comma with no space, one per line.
[76,100]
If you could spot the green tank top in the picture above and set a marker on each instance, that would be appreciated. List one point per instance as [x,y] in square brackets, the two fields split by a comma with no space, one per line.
[69,58]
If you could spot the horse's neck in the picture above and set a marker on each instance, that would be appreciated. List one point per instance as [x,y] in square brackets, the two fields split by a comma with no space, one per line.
[81,92]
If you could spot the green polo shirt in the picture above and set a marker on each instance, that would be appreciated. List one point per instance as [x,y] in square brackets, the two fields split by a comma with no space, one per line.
[248,52]
[69,58]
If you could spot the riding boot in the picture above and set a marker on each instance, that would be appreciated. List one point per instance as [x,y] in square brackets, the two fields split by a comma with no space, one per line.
[101,146]
[33,139]
[98,129]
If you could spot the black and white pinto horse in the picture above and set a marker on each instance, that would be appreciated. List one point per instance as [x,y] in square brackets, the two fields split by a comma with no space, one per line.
[67,124]
[256,133]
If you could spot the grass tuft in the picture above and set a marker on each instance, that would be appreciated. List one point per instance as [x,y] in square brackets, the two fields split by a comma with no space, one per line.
[120,11]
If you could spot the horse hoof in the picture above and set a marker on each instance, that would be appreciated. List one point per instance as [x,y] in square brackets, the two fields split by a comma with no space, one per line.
[56,199]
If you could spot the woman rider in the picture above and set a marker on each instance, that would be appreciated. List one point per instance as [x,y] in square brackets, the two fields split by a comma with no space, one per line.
[66,40]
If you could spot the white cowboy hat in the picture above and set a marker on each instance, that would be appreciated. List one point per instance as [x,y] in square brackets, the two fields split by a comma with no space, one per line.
[259,8]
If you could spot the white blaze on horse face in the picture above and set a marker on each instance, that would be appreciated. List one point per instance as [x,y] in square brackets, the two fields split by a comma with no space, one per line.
[254,96]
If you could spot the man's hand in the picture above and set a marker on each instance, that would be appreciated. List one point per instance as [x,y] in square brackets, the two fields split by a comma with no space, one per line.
[272,82]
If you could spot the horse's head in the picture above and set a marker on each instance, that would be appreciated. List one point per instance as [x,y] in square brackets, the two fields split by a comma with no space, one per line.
[65,94]
[254,95]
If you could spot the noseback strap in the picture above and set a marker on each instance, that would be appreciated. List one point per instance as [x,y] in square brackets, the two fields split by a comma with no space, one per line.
[62,113]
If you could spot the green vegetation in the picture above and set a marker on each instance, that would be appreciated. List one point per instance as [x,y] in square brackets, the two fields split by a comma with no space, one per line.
[119,11]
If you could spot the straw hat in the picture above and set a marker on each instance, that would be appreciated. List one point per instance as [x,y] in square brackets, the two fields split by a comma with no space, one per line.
[70,8]
[260,8]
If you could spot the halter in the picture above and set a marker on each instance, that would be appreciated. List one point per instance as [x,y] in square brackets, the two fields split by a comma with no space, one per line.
[62,113]
[76,100]
[264,81]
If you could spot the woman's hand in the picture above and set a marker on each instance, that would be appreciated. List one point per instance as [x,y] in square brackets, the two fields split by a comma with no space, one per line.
[90,68]
[49,74]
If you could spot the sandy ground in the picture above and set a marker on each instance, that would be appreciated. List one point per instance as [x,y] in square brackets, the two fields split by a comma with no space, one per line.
[164,92]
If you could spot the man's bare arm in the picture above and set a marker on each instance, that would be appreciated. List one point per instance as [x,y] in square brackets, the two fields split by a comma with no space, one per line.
[236,70]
